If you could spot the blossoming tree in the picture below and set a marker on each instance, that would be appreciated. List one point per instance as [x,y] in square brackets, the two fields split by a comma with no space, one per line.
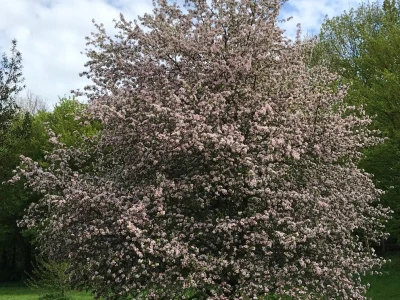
[226,168]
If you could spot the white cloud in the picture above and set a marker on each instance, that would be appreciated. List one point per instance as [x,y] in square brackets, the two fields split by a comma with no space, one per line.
[311,13]
[51,34]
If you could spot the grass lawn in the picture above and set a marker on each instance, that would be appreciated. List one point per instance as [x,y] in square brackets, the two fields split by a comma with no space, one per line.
[387,285]
[20,292]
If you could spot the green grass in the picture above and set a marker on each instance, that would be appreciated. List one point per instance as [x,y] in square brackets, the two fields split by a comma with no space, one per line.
[387,285]
[21,292]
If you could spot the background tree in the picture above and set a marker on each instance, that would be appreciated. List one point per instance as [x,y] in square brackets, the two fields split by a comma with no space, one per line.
[32,103]
[14,245]
[226,167]
[10,84]
[362,45]
[341,38]
[28,135]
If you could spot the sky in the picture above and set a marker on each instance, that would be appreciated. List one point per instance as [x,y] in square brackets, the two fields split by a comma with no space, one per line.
[51,34]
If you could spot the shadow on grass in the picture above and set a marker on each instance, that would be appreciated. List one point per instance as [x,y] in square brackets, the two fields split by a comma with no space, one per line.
[387,285]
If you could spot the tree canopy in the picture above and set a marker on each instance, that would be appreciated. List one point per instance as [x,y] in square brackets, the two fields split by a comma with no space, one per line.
[226,168]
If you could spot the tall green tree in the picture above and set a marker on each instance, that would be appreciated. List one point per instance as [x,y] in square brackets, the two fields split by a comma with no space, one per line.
[14,246]
[363,46]
[13,131]
[10,84]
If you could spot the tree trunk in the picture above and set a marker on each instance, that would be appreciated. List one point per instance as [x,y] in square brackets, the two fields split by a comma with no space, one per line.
[4,257]
[26,253]
[14,256]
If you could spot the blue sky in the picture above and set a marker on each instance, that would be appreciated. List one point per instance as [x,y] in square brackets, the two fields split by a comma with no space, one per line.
[51,34]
